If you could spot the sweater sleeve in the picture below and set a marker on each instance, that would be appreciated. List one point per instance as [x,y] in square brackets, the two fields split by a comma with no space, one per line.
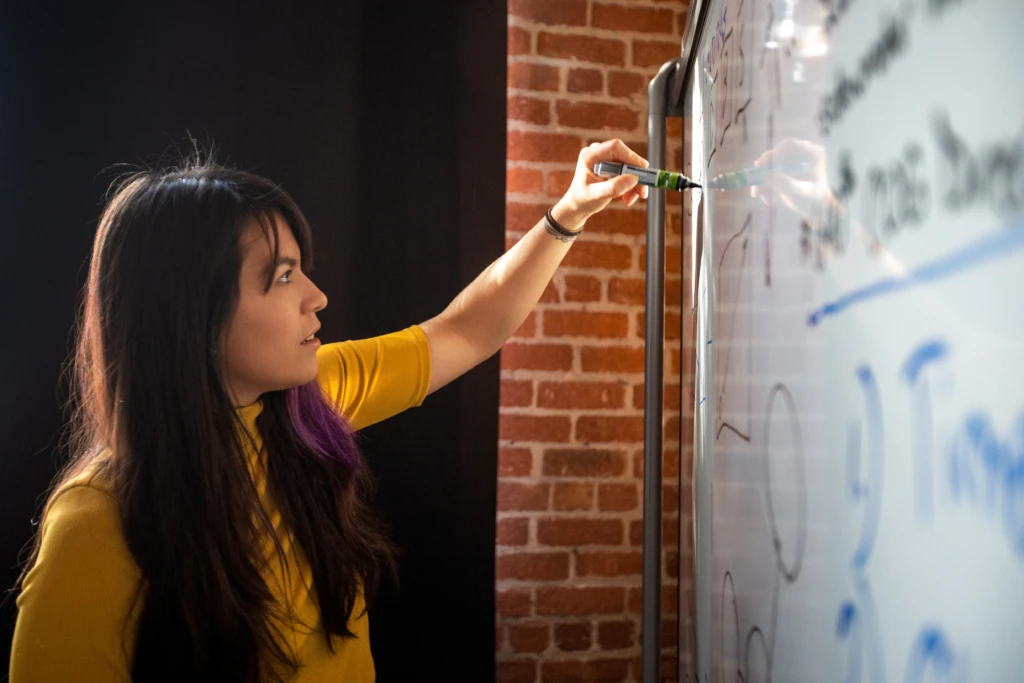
[73,607]
[370,380]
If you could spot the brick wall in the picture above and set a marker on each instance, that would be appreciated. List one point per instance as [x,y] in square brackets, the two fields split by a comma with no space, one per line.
[570,488]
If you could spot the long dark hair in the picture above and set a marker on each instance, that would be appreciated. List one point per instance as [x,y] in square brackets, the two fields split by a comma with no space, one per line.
[151,411]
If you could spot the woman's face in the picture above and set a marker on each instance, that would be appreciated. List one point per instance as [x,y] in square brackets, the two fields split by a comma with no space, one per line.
[263,347]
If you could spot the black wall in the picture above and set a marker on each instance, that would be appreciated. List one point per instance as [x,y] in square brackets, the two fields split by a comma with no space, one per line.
[386,121]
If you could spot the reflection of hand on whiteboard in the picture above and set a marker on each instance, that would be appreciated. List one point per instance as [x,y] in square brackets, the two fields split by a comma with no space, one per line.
[793,172]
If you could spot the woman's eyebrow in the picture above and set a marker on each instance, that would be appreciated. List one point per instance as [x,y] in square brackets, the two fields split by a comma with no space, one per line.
[281,261]
[285,260]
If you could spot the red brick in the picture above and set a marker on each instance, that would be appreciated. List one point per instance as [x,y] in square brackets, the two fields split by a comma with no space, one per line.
[611,359]
[559,182]
[640,19]
[585,324]
[609,564]
[529,637]
[570,497]
[572,637]
[597,255]
[672,563]
[582,288]
[675,224]
[532,566]
[677,361]
[618,497]
[609,428]
[520,496]
[516,671]
[550,294]
[536,356]
[669,532]
[674,127]
[596,116]
[672,326]
[525,76]
[529,109]
[618,221]
[670,464]
[512,603]
[528,328]
[626,84]
[574,601]
[524,180]
[672,428]
[669,599]
[513,531]
[670,396]
[670,632]
[514,462]
[583,462]
[582,48]
[559,13]
[533,428]
[673,259]
[574,532]
[520,217]
[673,291]
[605,670]
[669,667]
[516,392]
[627,290]
[616,635]
[639,146]
[686,497]
[569,395]
[654,53]
[584,81]
[553,147]
[518,41]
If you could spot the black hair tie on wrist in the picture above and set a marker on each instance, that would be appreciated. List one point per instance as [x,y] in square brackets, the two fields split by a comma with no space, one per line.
[558,228]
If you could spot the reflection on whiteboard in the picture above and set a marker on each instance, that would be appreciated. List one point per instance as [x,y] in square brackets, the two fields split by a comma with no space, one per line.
[860,355]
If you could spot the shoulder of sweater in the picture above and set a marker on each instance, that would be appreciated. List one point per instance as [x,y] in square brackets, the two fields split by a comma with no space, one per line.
[87,497]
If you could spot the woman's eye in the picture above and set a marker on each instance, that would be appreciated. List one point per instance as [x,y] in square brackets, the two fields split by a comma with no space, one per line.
[286,277]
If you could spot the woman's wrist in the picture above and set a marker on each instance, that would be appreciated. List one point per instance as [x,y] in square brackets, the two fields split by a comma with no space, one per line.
[567,216]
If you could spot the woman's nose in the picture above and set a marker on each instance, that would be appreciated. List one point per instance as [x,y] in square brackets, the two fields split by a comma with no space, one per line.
[318,300]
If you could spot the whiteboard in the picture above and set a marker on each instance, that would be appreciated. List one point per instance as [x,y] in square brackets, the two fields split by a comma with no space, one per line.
[859,427]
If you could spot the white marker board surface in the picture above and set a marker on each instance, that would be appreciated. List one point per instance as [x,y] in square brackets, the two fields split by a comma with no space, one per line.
[859,441]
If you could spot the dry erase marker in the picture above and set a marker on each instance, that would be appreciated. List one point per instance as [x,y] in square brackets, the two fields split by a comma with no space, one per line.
[652,177]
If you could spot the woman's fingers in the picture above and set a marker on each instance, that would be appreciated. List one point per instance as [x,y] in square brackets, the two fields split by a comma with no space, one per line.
[611,150]
[600,193]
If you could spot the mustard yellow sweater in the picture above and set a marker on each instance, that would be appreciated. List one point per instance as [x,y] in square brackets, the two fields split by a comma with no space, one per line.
[76,597]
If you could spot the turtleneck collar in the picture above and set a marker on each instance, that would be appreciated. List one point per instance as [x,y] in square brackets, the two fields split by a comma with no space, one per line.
[249,413]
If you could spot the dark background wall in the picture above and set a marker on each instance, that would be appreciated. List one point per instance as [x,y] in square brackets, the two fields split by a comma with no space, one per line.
[387,123]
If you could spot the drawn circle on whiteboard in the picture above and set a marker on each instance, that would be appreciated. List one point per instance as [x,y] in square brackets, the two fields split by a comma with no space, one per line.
[729,662]
[789,570]
[755,636]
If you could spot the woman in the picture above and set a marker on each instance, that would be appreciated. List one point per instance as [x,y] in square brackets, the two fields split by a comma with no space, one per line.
[212,523]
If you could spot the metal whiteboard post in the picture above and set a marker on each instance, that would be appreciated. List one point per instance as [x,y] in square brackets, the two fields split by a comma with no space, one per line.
[654,364]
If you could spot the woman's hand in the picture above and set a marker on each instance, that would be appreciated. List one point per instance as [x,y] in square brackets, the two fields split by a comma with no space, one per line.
[589,193]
